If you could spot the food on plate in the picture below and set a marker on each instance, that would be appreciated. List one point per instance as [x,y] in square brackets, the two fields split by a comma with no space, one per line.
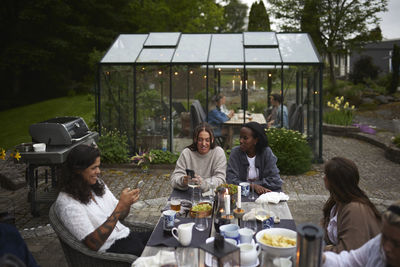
[202,207]
[278,241]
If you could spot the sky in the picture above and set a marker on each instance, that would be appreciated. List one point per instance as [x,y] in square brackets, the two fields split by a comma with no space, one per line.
[390,23]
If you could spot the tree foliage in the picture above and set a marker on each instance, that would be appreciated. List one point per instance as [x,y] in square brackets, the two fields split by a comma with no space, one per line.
[49,47]
[342,23]
[177,16]
[235,13]
[395,69]
[258,18]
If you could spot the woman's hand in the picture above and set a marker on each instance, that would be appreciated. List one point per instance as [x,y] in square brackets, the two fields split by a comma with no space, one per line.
[197,179]
[128,197]
[259,189]
[185,180]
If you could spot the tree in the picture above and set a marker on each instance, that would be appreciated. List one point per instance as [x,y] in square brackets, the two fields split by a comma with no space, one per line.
[177,16]
[309,22]
[342,23]
[47,45]
[395,69]
[258,18]
[235,13]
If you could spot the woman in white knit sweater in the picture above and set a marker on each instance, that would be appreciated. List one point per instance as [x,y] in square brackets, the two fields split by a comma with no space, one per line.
[207,160]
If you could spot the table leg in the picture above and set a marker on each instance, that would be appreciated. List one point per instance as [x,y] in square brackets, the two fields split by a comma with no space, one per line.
[32,190]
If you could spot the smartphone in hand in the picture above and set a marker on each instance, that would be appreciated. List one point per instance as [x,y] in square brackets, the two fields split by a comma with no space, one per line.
[140,184]
[190,173]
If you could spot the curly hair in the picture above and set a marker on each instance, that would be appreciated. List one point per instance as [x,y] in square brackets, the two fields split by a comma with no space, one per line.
[343,177]
[204,126]
[73,183]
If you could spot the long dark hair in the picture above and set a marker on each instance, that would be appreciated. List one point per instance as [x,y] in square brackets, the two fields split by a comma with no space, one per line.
[73,183]
[258,132]
[204,126]
[343,177]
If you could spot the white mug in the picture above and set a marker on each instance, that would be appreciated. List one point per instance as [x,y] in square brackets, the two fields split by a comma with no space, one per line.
[246,235]
[183,233]
[229,230]
[249,253]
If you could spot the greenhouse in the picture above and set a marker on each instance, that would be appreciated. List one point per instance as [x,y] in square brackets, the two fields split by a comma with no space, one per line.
[148,84]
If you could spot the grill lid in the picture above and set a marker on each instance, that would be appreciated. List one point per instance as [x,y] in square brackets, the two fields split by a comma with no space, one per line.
[59,131]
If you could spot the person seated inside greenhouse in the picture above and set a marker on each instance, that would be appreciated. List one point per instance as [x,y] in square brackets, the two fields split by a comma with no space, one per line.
[254,157]
[275,118]
[204,157]
[217,116]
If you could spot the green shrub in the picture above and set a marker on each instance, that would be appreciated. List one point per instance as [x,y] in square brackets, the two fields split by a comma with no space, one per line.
[163,157]
[364,68]
[341,113]
[113,146]
[292,150]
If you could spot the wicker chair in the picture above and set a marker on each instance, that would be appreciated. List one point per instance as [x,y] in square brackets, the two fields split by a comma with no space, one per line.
[77,254]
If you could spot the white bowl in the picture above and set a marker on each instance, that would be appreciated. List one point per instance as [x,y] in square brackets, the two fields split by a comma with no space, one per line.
[39,147]
[277,251]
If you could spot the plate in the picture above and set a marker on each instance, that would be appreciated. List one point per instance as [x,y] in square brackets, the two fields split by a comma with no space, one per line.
[254,265]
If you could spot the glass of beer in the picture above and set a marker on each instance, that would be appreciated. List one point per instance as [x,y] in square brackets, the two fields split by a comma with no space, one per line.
[175,204]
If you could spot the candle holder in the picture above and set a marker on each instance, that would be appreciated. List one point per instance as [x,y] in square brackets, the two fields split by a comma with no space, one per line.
[238,213]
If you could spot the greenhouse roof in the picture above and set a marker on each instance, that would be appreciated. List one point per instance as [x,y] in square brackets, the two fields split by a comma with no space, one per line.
[248,48]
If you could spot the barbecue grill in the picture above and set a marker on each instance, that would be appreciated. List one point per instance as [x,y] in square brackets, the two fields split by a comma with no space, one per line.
[60,135]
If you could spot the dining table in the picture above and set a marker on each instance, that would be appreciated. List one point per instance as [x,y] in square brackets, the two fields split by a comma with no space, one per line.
[161,240]
[239,119]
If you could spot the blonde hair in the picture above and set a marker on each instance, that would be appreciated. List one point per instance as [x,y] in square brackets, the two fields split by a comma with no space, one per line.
[392,214]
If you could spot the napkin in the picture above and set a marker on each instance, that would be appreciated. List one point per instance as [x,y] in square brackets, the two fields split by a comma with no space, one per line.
[272,197]
[161,258]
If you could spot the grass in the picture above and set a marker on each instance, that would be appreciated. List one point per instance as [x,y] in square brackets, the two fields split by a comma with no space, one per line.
[15,122]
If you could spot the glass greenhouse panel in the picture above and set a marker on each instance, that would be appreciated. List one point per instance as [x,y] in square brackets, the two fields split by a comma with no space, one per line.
[125,49]
[117,99]
[155,55]
[226,48]
[261,39]
[297,48]
[192,48]
[152,108]
[162,39]
[262,55]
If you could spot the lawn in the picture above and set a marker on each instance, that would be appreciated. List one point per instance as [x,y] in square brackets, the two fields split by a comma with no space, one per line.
[15,122]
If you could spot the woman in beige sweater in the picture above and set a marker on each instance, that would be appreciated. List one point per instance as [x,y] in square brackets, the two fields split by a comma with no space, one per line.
[350,218]
[204,157]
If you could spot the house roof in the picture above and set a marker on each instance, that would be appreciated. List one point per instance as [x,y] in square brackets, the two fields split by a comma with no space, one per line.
[247,48]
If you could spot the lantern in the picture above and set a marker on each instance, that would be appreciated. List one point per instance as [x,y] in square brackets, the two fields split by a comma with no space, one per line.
[219,253]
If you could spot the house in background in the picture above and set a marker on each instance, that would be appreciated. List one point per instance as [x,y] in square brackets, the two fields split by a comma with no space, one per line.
[380,52]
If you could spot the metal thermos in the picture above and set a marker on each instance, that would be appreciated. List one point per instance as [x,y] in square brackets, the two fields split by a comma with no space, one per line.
[310,242]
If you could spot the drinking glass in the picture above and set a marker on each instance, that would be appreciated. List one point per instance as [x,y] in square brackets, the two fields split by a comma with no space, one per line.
[251,177]
[192,184]
[212,186]
[251,223]
[201,222]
